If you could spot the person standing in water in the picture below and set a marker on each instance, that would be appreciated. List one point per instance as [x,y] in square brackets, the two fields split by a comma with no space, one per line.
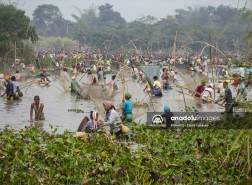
[9,88]
[38,108]
[15,88]
[227,98]
[127,108]
[45,73]
[157,87]
[32,68]
[17,75]
[92,78]
[134,72]
[44,80]
[73,84]
[199,89]
[141,77]
[241,92]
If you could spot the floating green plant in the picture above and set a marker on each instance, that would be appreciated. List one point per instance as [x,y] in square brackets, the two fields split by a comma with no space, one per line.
[76,110]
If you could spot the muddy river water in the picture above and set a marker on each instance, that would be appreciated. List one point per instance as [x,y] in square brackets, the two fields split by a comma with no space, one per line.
[16,114]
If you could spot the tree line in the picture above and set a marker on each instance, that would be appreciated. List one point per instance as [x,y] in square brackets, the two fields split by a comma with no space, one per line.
[96,24]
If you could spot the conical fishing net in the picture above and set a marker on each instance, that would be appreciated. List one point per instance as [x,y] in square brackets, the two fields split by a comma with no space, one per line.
[150,72]
[10,71]
[191,78]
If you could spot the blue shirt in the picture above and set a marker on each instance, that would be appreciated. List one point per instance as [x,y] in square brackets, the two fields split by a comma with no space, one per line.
[15,86]
[88,126]
[250,71]
[241,71]
[128,106]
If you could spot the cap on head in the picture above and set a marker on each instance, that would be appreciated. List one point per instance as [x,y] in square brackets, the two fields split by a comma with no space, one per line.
[210,85]
[73,78]
[7,78]
[128,95]
[167,108]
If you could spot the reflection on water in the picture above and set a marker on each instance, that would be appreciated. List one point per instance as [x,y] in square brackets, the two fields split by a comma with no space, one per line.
[17,113]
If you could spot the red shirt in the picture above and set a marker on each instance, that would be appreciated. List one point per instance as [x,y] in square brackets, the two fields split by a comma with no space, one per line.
[200,90]
[94,80]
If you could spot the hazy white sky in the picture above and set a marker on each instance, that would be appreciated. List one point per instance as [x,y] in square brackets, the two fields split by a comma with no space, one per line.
[130,9]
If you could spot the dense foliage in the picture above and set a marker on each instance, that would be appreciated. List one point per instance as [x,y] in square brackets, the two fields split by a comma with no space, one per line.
[49,21]
[95,25]
[14,27]
[153,156]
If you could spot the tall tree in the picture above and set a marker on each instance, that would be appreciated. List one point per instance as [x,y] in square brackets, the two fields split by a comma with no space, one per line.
[107,13]
[14,26]
[49,21]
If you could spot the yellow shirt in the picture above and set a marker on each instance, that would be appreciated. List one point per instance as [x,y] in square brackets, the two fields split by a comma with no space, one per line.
[157,83]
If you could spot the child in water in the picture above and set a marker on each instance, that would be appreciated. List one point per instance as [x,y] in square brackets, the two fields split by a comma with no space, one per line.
[93,124]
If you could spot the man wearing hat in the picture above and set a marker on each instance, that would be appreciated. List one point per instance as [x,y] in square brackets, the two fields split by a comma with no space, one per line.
[168,115]
[9,88]
[45,73]
[73,84]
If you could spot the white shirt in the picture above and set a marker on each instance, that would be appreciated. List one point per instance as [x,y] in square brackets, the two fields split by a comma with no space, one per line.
[222,89]
[134,71]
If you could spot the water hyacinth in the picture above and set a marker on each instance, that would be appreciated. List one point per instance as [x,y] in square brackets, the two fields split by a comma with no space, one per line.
[149,156]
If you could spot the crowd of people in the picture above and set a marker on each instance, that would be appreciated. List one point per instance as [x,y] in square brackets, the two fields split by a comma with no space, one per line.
[112,118]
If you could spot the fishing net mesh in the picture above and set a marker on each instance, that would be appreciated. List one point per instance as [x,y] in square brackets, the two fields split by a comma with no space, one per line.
[101,92]
[10,71]
[150,72]
[191,78]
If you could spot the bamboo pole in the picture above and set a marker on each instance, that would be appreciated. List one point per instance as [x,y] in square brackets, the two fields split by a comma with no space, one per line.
[210,61]
[195,92]
[124,78]
[15,50]
[174,50]
[76,61]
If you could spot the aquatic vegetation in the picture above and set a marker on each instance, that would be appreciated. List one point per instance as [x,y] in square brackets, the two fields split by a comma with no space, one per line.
[76,110]
[137,104]
[188,156]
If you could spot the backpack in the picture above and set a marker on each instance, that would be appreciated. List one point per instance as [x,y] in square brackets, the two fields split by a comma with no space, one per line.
[156,91]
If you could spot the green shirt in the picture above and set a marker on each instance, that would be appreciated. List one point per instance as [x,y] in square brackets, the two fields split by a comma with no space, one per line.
[72,85]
